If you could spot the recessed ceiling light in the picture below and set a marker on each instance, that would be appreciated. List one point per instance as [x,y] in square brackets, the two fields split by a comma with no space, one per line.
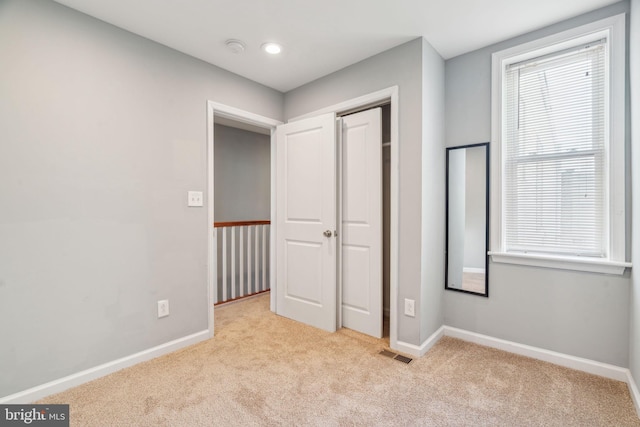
[235,46]
[272,48]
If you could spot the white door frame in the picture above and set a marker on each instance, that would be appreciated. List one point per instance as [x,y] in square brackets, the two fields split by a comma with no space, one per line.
[360,103]
[236,114]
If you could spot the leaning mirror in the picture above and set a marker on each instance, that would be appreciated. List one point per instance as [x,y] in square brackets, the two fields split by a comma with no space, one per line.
[467,204]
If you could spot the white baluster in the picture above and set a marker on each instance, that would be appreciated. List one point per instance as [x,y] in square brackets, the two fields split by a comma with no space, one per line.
[224,264]
[241,254]
[264,258]
[249,283]
[233,262]
[257,260]
[215,257]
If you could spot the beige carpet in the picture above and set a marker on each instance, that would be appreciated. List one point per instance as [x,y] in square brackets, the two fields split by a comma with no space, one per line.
[262,369]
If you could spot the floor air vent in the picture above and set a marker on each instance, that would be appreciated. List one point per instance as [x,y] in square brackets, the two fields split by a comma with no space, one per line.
[398,357]
[403,359]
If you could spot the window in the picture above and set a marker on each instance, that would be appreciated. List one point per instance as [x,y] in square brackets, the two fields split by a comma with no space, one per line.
[554,153]
[558,127]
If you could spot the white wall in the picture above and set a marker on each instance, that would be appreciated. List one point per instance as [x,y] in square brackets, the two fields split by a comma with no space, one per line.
[402,66]
[102,133]
[634,337]
[580,314]
[242,175]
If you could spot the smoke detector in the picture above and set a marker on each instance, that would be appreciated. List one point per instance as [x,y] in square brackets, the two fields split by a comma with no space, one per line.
[235,46]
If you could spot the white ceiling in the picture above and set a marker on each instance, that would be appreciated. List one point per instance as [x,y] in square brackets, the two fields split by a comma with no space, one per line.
[320,37]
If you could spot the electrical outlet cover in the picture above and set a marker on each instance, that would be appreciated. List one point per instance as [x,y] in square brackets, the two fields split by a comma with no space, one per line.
[163,308]
[409,307]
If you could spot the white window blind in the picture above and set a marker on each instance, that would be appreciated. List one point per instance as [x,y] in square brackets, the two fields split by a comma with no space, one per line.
[555,176]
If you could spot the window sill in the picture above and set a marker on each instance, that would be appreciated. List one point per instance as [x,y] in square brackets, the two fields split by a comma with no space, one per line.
[562,263]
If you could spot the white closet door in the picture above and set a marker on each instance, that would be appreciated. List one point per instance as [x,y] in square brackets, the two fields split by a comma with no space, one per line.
[361,239]
[306,215]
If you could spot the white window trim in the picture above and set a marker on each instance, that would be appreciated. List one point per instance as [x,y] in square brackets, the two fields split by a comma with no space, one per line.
[612,28]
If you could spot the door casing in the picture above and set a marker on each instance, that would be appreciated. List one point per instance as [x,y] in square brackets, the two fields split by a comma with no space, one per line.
[360,103]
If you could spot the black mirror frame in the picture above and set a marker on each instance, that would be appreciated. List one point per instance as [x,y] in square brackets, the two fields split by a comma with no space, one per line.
[446,249]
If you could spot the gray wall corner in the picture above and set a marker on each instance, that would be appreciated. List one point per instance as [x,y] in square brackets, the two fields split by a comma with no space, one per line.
[433,191]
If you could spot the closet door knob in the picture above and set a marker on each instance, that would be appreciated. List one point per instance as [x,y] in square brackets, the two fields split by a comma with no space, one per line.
[328,233]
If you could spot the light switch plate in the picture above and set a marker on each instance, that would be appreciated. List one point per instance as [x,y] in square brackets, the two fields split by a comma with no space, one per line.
[195,198]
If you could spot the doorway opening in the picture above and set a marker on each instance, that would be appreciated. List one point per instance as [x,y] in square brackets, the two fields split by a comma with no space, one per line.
[231,120]
[242,197]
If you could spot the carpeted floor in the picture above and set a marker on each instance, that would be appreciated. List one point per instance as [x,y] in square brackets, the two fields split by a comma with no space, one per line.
[262,369]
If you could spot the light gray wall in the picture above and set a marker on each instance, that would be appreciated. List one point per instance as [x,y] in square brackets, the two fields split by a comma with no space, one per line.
[242,175]
[433,192]
[634,337]
[401,66]
[102,133]
[581,314]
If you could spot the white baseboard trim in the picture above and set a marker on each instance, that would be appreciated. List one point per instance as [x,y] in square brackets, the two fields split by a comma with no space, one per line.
[578,363]
[472,270]
[420,350]
[73,380]
[633,390]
